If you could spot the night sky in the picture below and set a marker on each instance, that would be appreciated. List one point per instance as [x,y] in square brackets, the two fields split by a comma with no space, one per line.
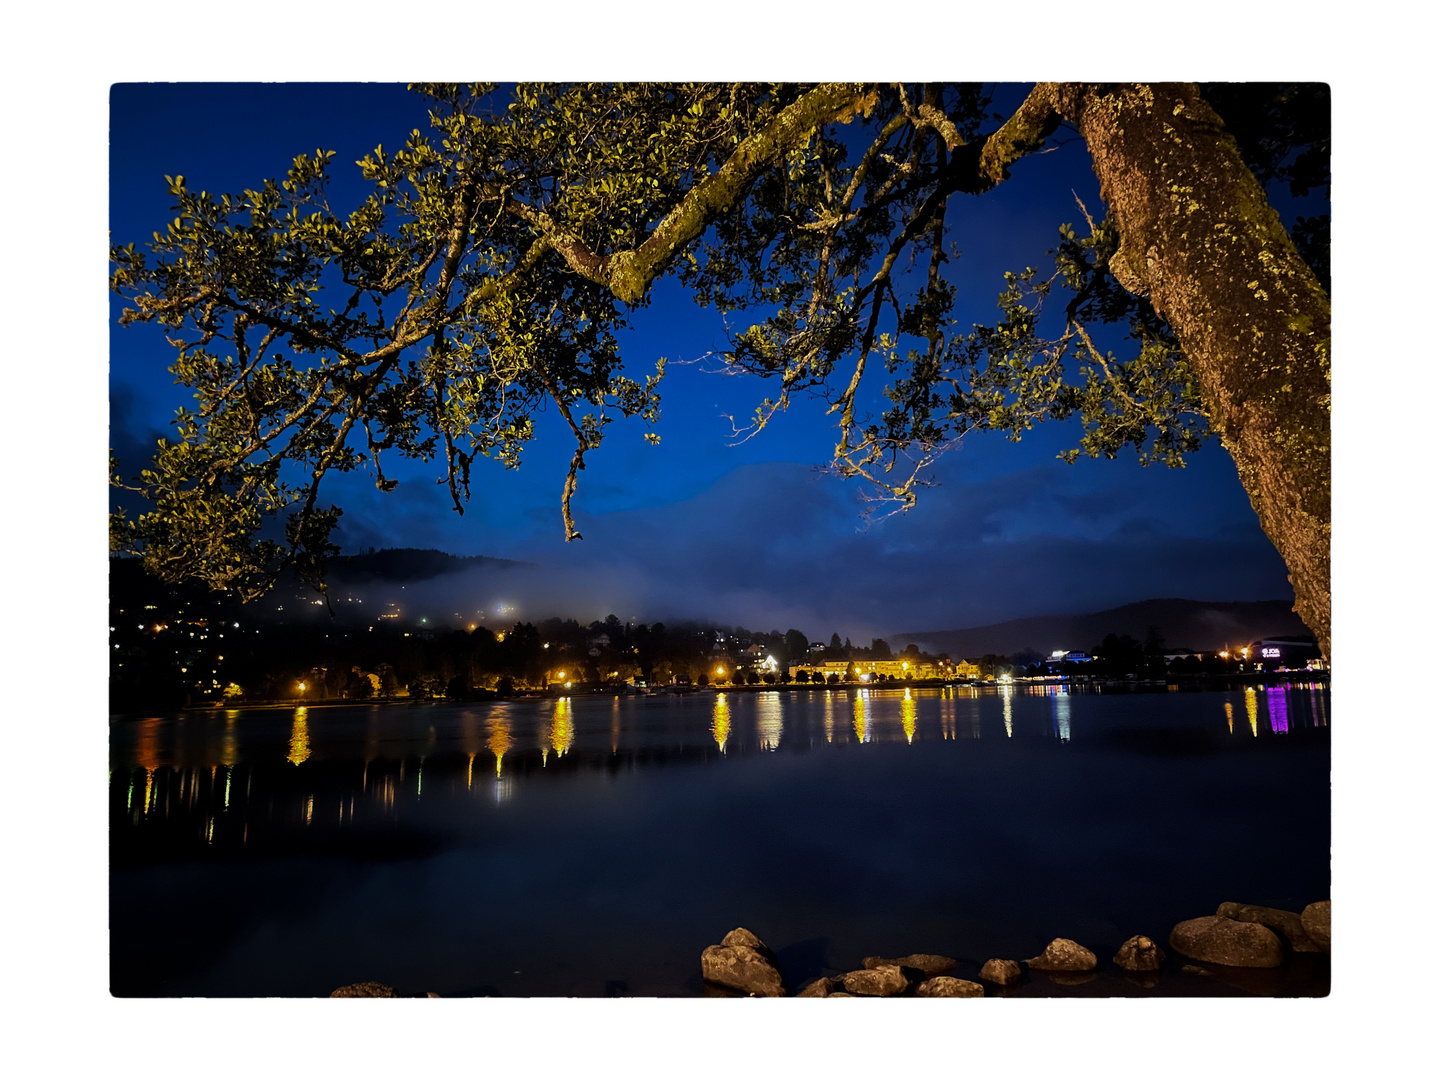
[697,527]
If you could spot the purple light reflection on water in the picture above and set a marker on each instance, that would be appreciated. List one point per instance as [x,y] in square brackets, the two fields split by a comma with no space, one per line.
[1279,715]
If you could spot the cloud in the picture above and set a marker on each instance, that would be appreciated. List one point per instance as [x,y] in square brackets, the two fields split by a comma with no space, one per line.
[771,546]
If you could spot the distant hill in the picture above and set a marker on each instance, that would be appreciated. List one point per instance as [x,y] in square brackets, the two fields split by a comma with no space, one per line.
[1190,624]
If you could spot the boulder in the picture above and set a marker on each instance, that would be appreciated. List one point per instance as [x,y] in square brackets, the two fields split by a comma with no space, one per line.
[927,964]
[1285,923]
[741,967]
[741,936]
[818,988]
[1140,954]
[1003,972]
[841,993]
[365,989]
[885,981]
[1215,939]
[1062,954]
[945,986]
[1316,921]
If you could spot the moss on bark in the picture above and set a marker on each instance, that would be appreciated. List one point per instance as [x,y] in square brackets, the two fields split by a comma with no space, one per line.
[1199,238]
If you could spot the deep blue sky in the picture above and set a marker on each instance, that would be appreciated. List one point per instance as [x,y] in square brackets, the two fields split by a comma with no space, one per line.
[749,534]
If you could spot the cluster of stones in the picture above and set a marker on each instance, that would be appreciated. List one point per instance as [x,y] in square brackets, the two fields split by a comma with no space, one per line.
[1237,935]
[1247,935]
[372,989]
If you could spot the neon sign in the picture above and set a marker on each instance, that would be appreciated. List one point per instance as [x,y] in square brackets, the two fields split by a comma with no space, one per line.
[1272,652]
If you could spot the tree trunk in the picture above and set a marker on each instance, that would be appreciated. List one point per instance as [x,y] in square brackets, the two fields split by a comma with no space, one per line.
[1200,240]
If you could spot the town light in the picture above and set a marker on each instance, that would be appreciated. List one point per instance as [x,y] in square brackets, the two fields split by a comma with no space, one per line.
[560,674]
[302,687]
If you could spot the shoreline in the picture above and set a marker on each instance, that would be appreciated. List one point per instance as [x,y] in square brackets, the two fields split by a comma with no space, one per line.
[1180,684]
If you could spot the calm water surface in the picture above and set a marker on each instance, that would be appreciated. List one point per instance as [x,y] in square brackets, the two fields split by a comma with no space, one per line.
[594,846]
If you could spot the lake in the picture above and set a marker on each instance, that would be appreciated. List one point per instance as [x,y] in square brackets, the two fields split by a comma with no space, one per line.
[593,846]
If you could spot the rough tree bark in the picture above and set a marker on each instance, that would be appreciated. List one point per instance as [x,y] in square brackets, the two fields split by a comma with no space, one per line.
[1199,239]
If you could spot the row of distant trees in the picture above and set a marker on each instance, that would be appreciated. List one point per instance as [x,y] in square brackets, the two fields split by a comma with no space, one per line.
[342,659]
[346,660]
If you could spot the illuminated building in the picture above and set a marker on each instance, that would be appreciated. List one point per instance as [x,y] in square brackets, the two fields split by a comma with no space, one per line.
[1283,653]
[902,668]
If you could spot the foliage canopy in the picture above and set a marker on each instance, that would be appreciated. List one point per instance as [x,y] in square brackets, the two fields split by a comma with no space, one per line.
[487,272]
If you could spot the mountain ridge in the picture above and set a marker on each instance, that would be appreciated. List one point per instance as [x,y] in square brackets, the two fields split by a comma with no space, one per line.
[1205,626]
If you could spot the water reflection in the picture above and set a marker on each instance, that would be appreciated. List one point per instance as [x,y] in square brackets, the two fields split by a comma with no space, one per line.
[562,727]
[471,742]
[183,774]
[228,745]
[299,738]
[769,720]
[499,742]
[720,722]
[862,716]
[1279,715]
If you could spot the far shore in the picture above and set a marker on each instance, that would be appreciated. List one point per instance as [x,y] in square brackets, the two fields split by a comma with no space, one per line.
[1177,683]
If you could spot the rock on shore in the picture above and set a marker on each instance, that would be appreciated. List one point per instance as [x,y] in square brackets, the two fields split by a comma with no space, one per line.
[928,964]
[884,981]
[1287,924]
[742,962]
[945,986]
[1140,954]
[365,989]
[819,988]
[1062,954]
[1003,972]
[1215,939]
[1316,921]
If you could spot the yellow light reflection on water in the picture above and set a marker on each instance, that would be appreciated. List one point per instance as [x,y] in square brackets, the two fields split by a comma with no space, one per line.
[147,755]
[720,722]
[470,740]
[862,716]
[769,722]
[228,743]
[615,725]
[299,738]
[562,727]
[499,742]
[1005,693]
[1252,710]
[829,716]
[907,716]
[1230,717]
